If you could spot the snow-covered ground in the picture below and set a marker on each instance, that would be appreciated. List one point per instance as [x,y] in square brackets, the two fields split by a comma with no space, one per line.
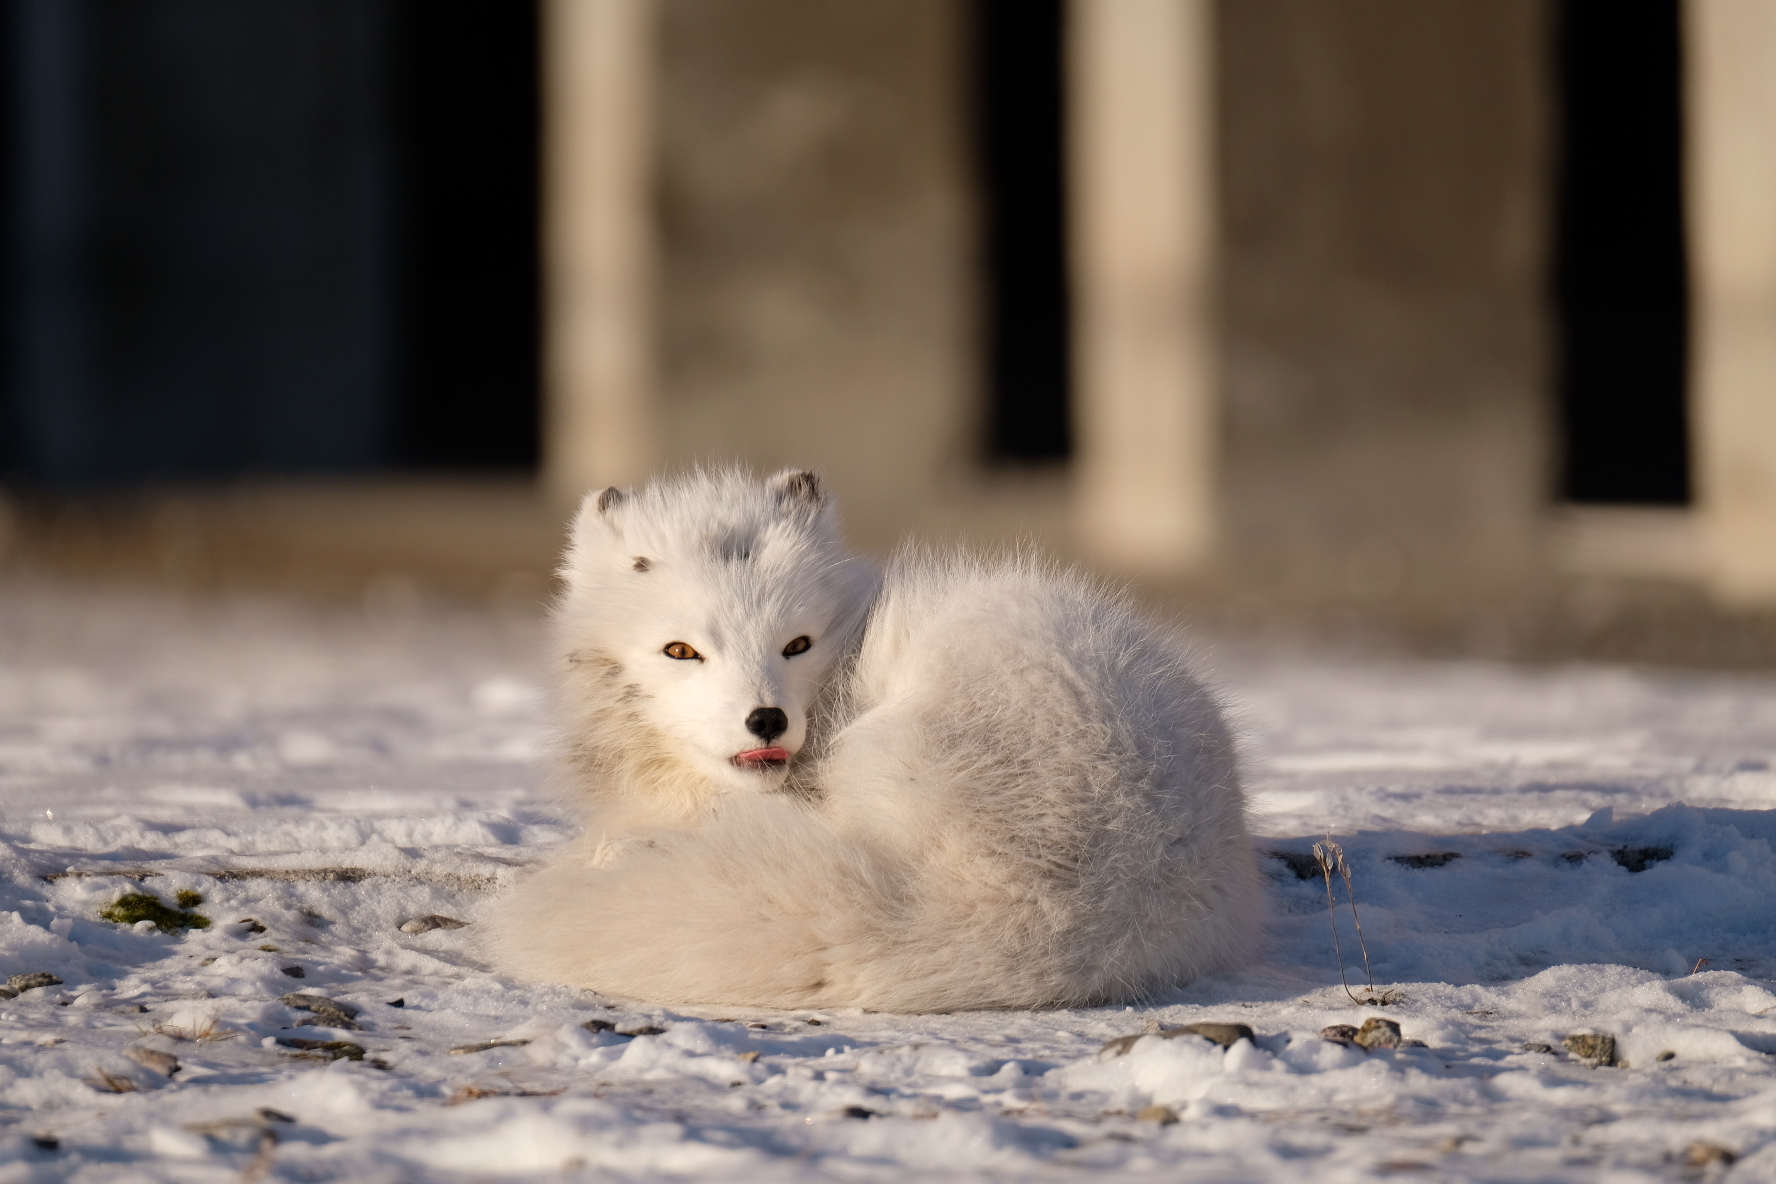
[320,777]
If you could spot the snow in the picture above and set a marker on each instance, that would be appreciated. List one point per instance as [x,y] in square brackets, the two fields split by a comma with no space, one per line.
[331,774]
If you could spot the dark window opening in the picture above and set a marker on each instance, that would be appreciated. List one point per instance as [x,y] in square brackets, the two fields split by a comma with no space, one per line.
[1019,77]
[1620,283]
[267,238]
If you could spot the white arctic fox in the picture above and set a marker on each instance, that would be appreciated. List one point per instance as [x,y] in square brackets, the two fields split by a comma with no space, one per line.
[963,783]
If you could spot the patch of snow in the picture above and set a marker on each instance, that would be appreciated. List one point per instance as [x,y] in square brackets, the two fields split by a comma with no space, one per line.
[1535,854]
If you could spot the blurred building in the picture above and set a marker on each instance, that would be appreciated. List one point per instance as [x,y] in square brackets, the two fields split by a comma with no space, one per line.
[1371,299]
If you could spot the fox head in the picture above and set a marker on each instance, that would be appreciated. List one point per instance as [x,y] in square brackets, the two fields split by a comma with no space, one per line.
[702,616]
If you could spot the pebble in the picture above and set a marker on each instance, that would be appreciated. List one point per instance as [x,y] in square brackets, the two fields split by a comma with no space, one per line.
[1599,1048]
[430,922]
[1701,1155]
[163,1063]
[1339,1034]
[334,1013]
[1163,1115]
[1226,1035]
[295,971]
[18,984]
[1378,1033]
[484,1045]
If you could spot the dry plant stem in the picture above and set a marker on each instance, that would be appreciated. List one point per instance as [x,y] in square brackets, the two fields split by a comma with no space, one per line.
[1350,890]
[1325,862]
[111,1083]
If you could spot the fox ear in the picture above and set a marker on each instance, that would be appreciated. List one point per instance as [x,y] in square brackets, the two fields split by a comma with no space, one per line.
[596,520]
[798,488]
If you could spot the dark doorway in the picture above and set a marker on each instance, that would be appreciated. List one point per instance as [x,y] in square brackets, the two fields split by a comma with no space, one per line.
[1620,282]
[1018,72]
[468,117]
[284,237]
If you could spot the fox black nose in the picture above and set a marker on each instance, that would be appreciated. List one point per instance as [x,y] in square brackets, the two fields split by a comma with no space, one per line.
[767,723]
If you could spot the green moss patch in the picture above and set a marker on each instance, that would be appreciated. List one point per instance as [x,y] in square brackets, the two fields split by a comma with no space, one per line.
[188,899]
[333,1050]
[140,906]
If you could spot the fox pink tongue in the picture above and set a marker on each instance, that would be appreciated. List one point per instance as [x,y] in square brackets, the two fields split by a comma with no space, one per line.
[761,756]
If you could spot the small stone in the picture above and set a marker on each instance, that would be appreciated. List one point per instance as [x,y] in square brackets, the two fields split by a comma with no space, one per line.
[1119,1045]
[18,984]
[1434,859]
[8,993]
[1378,1033]
[642,1030]
[856,1112]
[1638,859]
[294,971]
[1538,1046]
[1163,1115]
[484,1045]
[332,1012]
[267,1114]
[749,1056]
[1702,1155]
[163,1063]
[252,925]
[45,1142]
[1596,1047]
[1667,1055]
[401,1002]
[1339,1034]
[1303,865]
[1226,1035]
[430,922]
[598,1025]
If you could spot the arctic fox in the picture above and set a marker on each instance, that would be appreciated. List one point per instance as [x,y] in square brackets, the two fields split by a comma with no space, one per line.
[961,783]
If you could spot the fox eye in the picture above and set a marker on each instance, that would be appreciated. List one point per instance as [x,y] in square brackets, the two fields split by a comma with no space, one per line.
[798,646]
[682,652]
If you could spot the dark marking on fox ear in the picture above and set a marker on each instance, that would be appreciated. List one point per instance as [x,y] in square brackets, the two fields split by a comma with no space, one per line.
[800,485]
[642,563]
[610,498]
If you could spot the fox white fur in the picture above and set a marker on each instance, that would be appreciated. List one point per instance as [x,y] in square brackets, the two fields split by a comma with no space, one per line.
[1004,789]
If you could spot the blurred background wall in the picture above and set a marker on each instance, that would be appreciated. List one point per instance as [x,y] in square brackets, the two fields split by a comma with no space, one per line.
[1402,307]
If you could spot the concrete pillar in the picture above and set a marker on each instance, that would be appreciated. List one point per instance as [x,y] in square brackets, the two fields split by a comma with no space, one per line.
[598,247]
[1140,148]
[1731,140]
